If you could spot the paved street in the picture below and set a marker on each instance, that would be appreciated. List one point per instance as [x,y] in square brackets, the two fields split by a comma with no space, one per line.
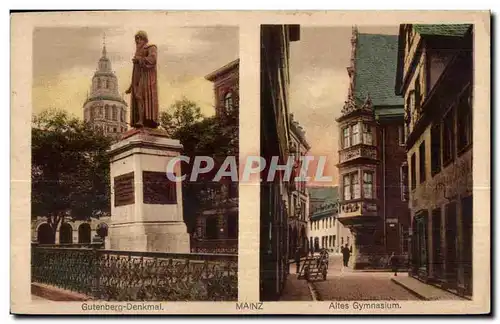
[347,284]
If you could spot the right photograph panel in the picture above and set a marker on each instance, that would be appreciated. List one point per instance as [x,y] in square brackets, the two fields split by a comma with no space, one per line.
[366,133]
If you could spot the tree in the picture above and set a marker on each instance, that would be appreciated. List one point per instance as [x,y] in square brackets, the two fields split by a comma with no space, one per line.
[70,169]
[214,136]
[182,113]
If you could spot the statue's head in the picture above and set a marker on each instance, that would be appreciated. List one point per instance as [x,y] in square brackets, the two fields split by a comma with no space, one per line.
[141,37]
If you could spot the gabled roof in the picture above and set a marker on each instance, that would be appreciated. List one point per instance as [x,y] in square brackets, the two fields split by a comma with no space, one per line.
[452,30]
[375,69]
[436,31]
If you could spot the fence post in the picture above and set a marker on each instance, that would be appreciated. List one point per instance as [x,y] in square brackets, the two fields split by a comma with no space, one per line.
[96,291]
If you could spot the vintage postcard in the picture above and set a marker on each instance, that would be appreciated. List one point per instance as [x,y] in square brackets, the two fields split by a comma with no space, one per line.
[339,178]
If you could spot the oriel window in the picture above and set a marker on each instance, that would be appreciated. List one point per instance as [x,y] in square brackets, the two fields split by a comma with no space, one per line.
[368,184]
[347,187]
[346,137]
[367,134]
[355,134]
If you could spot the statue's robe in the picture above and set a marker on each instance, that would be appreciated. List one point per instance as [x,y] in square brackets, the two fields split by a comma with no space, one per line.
[144,89]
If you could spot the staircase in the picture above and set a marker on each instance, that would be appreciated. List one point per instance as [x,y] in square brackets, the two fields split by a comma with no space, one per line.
[314,268]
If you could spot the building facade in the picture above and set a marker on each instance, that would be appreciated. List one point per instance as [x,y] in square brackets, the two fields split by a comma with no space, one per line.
[325,231]
[435,72]
[297,221]
[372,153]
[104,108]
[70,231]
[275,138]
[217,216]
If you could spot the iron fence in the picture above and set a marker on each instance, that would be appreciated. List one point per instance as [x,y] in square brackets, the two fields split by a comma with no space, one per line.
[137,276]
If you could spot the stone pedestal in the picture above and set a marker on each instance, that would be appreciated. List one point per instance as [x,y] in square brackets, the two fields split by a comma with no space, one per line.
[146,207]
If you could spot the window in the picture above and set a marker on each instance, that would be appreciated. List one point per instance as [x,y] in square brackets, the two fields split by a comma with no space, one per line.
[355,185]
[346,137]
[228,101]
[114,129]
[404,182]
[355,134]
[114,113]
[417,94]
[351,186]
[106,111]
[347,187]
[401,135]
[435,149]
[464,116]
[122,115]
[413,177]
[421,162]
[448,137]
[367,134]
[368,184]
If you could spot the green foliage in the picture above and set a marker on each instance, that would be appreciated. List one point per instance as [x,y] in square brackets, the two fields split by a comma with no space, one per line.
[215,136]
[70,169]
[182,113]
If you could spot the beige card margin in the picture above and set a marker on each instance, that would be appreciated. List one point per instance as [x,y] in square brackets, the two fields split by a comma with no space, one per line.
[249,23]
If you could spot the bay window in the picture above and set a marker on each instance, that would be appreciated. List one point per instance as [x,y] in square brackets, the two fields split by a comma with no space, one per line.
[351,186]
[367,134]
[346,137]
[368,184]
[355,134]
[347,187]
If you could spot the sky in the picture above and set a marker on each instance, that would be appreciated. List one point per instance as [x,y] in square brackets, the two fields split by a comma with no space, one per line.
[65,59]
[319,83]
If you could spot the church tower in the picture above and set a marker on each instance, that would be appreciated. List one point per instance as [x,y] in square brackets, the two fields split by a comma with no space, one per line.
[104,107]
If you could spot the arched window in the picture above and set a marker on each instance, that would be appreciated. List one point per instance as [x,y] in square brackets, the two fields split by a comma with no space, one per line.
[122,115]
[45,234]
[98,83]
[228,101]
[105,83]
[84,233]
[66,234]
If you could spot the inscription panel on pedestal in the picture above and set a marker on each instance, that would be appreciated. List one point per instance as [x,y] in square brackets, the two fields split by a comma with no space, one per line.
[158,189]
[124,189]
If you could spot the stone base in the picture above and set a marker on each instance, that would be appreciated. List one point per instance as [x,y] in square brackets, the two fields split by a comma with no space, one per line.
[167,237]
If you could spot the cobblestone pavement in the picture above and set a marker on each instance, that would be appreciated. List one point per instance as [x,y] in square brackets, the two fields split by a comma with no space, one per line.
[348,284]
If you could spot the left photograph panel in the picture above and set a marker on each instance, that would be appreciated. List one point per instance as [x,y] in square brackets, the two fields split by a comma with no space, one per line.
[131,129]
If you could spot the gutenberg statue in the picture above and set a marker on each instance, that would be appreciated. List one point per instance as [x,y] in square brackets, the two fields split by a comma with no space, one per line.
[144,88]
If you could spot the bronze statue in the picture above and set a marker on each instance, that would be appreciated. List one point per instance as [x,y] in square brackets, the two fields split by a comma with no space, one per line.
[144,89]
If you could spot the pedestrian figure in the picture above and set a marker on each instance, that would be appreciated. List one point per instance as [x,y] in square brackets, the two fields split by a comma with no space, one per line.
[297,259]
[346,254]
[394,263]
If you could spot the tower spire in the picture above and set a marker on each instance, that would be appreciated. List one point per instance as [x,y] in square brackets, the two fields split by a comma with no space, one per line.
[104,45]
